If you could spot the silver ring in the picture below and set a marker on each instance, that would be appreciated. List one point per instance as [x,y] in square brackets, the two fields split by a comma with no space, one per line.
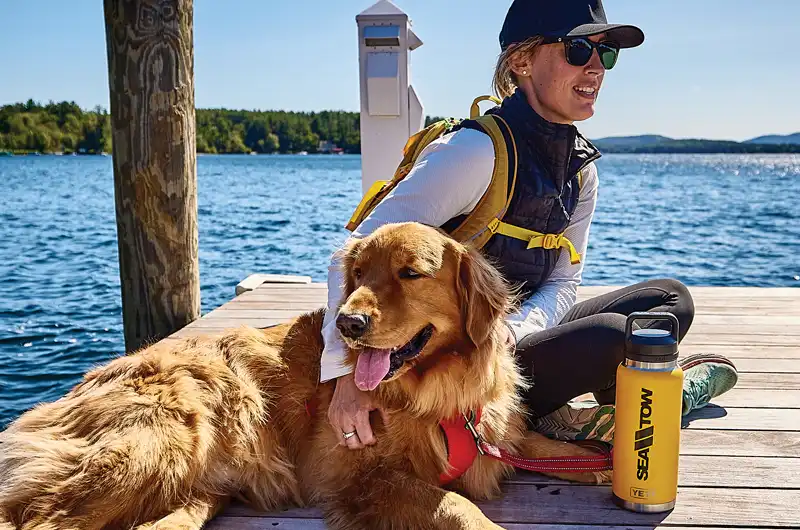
[348,435]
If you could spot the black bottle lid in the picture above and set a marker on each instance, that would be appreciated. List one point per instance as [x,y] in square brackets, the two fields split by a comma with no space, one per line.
[651,345]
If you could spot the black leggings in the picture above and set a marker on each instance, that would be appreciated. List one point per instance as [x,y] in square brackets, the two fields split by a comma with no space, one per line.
[581,354]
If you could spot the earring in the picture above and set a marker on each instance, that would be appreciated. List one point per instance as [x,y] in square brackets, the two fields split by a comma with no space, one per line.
[524,72]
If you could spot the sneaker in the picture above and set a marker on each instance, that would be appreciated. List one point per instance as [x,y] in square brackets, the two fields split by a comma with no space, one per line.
[578,420]
[705,376]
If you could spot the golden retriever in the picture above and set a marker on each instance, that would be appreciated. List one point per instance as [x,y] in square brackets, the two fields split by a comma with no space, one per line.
[162,438]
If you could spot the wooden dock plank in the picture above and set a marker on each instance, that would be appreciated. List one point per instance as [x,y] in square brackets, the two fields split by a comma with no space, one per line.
[576,504]
[228,522]
[714,471]
[740,456]
[740,443]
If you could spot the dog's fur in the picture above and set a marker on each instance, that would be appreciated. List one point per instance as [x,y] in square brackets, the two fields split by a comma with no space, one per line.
[163,437]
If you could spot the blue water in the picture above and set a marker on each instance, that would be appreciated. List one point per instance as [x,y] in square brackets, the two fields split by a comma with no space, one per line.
[704,219]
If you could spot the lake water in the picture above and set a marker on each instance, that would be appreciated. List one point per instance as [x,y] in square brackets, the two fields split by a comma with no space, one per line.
[704,219]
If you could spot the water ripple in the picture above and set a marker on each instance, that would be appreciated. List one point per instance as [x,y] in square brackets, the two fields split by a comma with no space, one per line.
[705,219]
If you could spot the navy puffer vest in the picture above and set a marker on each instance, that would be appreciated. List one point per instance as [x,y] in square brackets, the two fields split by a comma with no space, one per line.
[550,157]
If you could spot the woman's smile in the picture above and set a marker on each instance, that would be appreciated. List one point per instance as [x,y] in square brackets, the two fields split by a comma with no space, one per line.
[586,91]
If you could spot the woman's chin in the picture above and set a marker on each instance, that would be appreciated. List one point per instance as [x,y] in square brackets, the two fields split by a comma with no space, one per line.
[584,112]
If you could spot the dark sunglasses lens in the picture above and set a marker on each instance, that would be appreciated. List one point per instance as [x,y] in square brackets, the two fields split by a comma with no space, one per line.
[608,56]
[578,52]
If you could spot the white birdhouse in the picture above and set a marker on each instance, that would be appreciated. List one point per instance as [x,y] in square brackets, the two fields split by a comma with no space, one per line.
[390,109]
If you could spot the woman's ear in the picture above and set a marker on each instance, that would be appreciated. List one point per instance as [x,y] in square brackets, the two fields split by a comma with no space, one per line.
[484,295]
[520,64]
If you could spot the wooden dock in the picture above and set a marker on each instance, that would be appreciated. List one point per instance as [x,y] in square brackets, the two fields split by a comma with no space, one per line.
[740,457]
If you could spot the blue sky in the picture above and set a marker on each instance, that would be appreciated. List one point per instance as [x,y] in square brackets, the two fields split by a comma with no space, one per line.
[726,69]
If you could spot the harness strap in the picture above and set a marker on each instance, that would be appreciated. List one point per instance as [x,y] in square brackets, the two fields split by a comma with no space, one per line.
[464,443]
[535,239]
[461,447]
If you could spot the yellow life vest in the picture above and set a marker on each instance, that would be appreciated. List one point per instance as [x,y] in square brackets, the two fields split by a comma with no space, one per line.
[486,219]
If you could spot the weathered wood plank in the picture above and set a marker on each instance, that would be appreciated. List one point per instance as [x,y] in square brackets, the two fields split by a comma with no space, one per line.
[774,366]
[150,57]
[715,471]
[732,339]
[256,280]
[227,522]
[745,351]
[769,380]
[702,291]
[290,286]
[237,305]
[734,419]
[757,398]
[575,504]
[224,315]
[740,443]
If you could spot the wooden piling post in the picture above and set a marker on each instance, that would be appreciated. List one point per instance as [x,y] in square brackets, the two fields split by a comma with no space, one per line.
[151,82]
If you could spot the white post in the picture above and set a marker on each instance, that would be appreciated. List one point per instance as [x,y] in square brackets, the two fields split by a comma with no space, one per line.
[390,108]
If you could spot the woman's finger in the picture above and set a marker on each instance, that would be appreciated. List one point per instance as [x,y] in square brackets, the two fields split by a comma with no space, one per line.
[352,442]
[363,427]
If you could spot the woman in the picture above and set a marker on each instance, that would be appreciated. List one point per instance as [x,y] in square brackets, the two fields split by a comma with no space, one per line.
[554,57]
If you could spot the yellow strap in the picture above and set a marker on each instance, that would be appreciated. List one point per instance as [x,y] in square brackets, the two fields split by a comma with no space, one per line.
[496,198]
[535,239]
[373,190]
[475,110]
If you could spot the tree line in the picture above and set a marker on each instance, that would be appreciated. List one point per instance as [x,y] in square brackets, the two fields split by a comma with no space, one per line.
[55,127]
[65,127]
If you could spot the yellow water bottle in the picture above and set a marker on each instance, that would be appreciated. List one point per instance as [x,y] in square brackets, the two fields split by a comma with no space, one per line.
[648,417]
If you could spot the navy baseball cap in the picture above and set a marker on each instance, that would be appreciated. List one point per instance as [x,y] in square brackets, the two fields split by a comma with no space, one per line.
[563,19]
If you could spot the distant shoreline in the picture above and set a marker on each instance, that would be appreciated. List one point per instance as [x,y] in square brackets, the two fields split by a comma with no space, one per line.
[706,147]
[701,149]
[30,128]
[4,154]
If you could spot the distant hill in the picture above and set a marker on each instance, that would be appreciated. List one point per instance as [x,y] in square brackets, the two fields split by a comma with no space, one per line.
[631,141]
[653,143]
[776,139]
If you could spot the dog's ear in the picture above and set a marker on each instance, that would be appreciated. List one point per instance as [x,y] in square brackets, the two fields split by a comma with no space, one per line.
[483,293]
[347,256]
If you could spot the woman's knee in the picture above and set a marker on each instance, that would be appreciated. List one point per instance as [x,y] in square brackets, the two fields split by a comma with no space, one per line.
[608,335]
[681,302]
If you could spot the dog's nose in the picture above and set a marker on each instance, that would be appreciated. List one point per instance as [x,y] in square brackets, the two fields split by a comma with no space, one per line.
[352,326]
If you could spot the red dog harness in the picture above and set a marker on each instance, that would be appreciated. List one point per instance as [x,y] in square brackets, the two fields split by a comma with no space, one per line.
[464,444]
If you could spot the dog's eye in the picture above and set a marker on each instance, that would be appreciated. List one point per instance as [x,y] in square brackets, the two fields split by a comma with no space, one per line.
[408,273]
[357,273]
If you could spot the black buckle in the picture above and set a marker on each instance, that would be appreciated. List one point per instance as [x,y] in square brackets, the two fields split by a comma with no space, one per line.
[470,426]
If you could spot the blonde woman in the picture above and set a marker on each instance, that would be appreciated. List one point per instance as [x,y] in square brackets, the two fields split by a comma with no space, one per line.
[554,56]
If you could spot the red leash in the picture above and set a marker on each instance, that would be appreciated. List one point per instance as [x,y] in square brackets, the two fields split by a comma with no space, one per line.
[463,449]
[464,444]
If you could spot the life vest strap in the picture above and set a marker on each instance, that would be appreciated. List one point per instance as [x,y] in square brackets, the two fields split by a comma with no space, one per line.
[535,239]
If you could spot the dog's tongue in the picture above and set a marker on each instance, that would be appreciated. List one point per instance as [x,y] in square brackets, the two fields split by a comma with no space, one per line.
[371,367]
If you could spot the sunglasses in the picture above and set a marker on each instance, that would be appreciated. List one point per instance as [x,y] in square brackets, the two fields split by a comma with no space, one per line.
[579,51]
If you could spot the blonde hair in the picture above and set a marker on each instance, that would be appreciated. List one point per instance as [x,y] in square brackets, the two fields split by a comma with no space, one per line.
[505,80]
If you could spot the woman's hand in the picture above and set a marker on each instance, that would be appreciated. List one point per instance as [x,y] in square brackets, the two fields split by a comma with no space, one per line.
[349,412]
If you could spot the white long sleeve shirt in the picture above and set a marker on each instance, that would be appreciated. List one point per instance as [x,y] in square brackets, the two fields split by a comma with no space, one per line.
[449,178]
